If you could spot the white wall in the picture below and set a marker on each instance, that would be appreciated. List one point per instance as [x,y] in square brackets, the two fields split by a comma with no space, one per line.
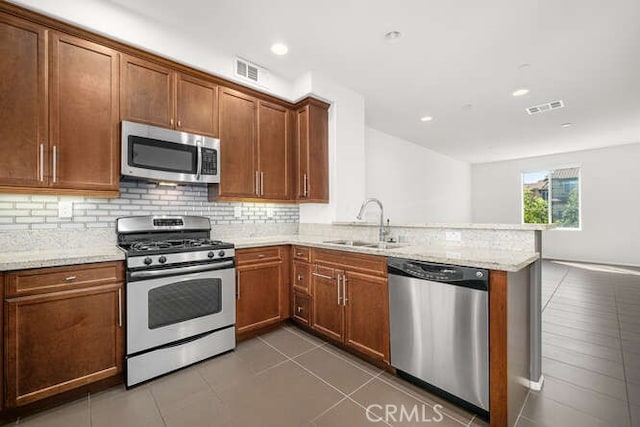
[415,184]
[610,202]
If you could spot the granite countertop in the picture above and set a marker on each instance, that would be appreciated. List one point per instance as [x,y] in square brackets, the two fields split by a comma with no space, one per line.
[20,260]
[470,257]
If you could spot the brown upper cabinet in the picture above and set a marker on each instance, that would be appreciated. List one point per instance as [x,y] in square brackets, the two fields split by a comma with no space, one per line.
[158,95]
[312,151]
[59,130]
[254,145]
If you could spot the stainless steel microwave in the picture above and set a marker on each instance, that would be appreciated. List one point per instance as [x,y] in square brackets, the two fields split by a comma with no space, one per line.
[159,154]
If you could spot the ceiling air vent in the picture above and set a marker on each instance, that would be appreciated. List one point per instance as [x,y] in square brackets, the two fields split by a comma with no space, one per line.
[251,72]
[541,108]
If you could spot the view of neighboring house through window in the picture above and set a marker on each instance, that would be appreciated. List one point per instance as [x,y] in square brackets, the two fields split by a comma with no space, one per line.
[552,196]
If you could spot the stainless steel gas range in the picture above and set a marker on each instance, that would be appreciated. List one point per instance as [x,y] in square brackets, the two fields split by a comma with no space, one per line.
[180,295]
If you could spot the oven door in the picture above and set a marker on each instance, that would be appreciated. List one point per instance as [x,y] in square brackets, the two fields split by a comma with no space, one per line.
[167,309]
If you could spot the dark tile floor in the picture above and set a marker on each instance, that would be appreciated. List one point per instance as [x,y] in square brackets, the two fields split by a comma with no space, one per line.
[591,349]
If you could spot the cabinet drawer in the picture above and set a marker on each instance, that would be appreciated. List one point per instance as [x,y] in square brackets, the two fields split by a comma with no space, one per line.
[301,276]
[43,280]
[369,264]
[301,253]
[253,255]
[301,308]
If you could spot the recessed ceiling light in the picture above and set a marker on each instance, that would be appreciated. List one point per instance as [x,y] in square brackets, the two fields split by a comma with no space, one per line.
[520,92]
[279,49]
[566,125]
[392,35]
[426,119]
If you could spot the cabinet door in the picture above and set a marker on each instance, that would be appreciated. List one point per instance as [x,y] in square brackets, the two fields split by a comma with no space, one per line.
[318,152]
[197,106]
[84,112]
[367,315]
[60,341]
[23,104]
[239,173]
[258,296]
[273,151]
[327,313]
[302,153]
[147,93]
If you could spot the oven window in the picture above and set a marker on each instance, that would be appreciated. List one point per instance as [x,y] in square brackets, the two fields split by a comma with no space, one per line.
[161,155]
[183,301]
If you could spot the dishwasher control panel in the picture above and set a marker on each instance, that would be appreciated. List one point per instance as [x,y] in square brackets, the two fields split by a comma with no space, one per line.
[465,276]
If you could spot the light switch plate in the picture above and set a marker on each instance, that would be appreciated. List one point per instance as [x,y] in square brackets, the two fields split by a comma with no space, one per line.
[65,209]
[453,236]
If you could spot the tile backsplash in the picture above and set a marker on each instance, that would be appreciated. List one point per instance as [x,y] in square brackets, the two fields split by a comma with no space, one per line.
[37,212]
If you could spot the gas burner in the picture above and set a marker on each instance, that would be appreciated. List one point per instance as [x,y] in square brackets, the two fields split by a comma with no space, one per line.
[149,246]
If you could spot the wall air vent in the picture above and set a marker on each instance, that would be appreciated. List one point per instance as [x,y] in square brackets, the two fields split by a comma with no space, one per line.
[542,108]
[251,72]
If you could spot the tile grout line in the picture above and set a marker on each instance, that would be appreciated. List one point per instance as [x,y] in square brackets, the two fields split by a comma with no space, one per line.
[564,276]
[157,405]
[89,405]
[526,399]
[624,369]
[587,369]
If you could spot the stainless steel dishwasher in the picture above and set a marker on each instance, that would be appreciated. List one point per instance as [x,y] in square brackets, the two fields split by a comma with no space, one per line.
[440,329]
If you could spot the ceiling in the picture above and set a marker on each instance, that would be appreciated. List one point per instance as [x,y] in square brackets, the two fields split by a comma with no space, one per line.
[457,60]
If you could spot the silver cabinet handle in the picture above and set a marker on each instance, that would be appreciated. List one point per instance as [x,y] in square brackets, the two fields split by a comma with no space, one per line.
[322,275]
[179,123]
[339,297]
[55,163]
[304,185]
[41,162]
[120,307]
[238,285]
[344,290]
[257,190]
[171,122]
[70,278]
[199,170]
[262,183]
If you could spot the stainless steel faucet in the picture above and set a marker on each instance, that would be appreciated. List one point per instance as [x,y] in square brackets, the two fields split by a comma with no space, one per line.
[383,232]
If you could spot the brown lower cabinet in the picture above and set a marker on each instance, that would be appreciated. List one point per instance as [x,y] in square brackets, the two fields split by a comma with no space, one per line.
[262,287]
[349,301]
[56,341]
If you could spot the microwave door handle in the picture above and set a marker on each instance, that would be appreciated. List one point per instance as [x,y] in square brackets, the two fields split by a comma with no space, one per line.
[199,170]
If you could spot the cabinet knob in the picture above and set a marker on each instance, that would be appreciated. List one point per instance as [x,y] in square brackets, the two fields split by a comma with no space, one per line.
[70,278]
[179,123]
[299,309]
[299,277]
[260,255]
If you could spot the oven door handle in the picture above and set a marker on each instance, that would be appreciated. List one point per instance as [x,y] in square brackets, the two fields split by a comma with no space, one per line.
[181,270]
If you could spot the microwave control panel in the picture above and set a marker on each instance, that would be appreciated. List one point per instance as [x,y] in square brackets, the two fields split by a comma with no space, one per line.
[209,161]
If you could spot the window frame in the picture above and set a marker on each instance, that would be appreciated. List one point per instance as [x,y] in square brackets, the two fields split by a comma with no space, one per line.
[550,170]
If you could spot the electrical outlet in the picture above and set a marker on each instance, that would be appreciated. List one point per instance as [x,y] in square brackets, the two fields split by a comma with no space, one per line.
[453,236]
[237,212]
[269,212]
[65,209]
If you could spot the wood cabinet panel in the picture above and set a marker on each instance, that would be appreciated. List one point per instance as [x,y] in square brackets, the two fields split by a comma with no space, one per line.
[23,104]
[273,151]
[53,279]
[59,341]
[238,161]
[301,308]
[84,114]
[312,148]
[301,253]
[258,296]
[327,313]
[302,153]
[197,105]
[367,315]
[369,264]
[147,92]
[254,255]
[301,276]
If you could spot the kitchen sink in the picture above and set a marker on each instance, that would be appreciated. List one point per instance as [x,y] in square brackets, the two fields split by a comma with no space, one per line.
[361,243]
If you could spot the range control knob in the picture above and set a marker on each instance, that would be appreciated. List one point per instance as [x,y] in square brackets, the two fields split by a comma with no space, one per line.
[162,259]
[211,254]
[479,274]
[148,261]
[221,253]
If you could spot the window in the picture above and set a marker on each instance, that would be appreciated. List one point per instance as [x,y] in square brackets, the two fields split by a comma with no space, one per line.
[552,196]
